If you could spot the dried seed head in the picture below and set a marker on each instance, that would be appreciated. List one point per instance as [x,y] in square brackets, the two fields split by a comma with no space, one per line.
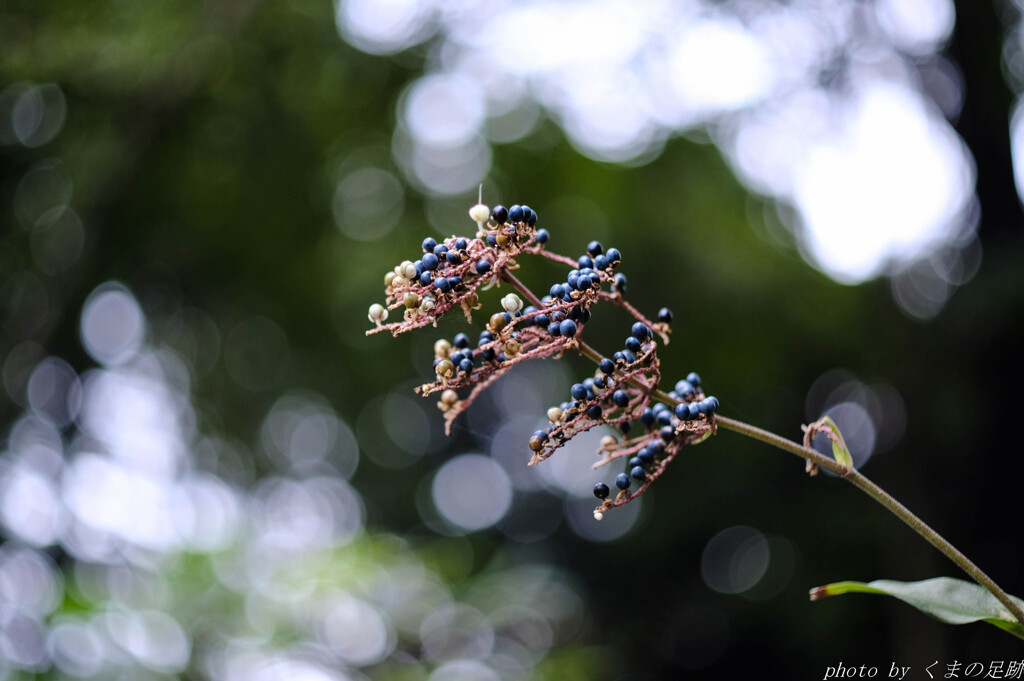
[378,313]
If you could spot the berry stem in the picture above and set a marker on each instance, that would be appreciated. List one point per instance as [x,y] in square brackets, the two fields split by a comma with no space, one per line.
[849,474]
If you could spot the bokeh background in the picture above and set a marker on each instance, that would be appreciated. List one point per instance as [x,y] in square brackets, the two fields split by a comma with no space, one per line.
[208,471]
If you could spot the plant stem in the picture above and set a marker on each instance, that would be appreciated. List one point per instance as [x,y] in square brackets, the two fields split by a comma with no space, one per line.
[849,474]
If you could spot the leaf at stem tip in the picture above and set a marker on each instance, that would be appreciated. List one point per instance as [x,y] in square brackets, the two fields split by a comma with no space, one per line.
[840,452]
[953,601]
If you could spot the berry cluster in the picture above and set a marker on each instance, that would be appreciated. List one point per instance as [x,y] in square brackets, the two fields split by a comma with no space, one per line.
[624,389]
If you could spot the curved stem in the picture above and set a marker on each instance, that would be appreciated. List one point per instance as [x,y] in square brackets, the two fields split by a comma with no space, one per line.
[849,474]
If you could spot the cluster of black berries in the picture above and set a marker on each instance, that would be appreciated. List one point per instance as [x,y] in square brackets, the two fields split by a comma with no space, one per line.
[507,220]
[666,421]
[436,258]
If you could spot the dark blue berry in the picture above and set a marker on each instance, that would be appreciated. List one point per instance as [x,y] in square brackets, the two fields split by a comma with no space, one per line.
[442,285]
[647,418]
[430,261]
[488,354]
[694,378]
[620,282]
[542,236]
[668,433]
[595,412]
[638,472]
[578,391]
[567,328]
[694,409]
[622,481]
[683,412]
[598,381]
[684,389]
[454,281]
[607,366]
[641,331]
[542,434]
[553,329]
[499,214]
[658,408]
[628,357]
[620,398]
[461,244]
[507,316]
[633,344]
[425,278]
[483,266]
[601,262]
[665,315]
[601,490]
[656,447]
[714,403]
[466,365]
[619,356]
[595,248]
[542,320]
[585,261]
[428,244]
[461,340]
[532,220]
[440,250]
[515,213]
[583,282]
[526,214]
[614,255]
[634,462]
[492,240]
[486,335]
[625,427]
[557,291]
[419,267]
[664,417]
[646,456]
[575,312]
[453,257]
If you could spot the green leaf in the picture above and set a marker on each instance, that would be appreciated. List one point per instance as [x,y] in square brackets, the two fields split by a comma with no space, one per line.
[948,600]
[840,452]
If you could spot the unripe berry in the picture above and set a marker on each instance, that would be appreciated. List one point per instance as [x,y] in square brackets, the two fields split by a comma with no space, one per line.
[378,313]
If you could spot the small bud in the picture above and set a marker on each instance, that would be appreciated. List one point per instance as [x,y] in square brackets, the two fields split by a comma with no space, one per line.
[442,349]
[607,441]
[444,368]
[411,300]
[471,301]
[378,313]
[512,303]
[598,515]
[399,282]
[389,278]
[407,270]
[479,213]
[554,414]
[449,397]
[428,304]
[502,240]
